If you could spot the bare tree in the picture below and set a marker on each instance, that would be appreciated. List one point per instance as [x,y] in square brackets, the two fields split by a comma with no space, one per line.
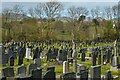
[31,12]
[82,11]
[39,10]
[53,9]
[77,14]
[92,13]
[95,12]
[6,14]
[17,11]
[108,12]
[115,11]
[73,13]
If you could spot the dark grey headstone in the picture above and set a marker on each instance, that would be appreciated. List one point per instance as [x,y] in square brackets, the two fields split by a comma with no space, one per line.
[20,59]
[68,76]
[37,62]
[108,75]
[81,68]
[37,74]
[12,61]
[93,59]
[104,58]
[31,67]
[25,78]
[52,68]
[5,59]
[95,72]
[8,72]
[108,56]
[21,70]
[99,59]
[49,75]
[3,78]
[83,74]
[83,57]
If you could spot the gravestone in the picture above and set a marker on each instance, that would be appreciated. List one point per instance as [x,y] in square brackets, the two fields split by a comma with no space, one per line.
[14,54]
[5,59]
[20,61]
[74,54]
[69,55]
[115,61]
[49,75]
[25,78]
[83,74]
[49,54]
[8,72]
[37,74]
[108,56]
[52,68]
[37,62]
[75,66]
[64,57]
[21,71]
[1,55]
[104,59]
[81,68]
[65,67]
[3,78]
[31,67]
[28,53]
[93,59]
[68,76]
[95,72]
[99,59]
[108,75]
[60,55]
[83,57]
[20,57]
[12,61]
[102,78]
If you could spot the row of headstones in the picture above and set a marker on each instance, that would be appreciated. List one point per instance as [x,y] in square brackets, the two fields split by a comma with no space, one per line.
[36,74]
[33,73]
[83,72]
[36,63]
[11,60]
[113,60]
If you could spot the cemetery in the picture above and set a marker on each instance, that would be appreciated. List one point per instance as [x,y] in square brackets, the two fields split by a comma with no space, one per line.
[57,41]
[51,61]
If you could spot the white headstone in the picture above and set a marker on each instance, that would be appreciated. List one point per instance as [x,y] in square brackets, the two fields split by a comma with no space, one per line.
[65,67]
[28,53]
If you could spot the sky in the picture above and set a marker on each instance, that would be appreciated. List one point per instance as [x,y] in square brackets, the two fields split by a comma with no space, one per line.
[60,0]
[88,4]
